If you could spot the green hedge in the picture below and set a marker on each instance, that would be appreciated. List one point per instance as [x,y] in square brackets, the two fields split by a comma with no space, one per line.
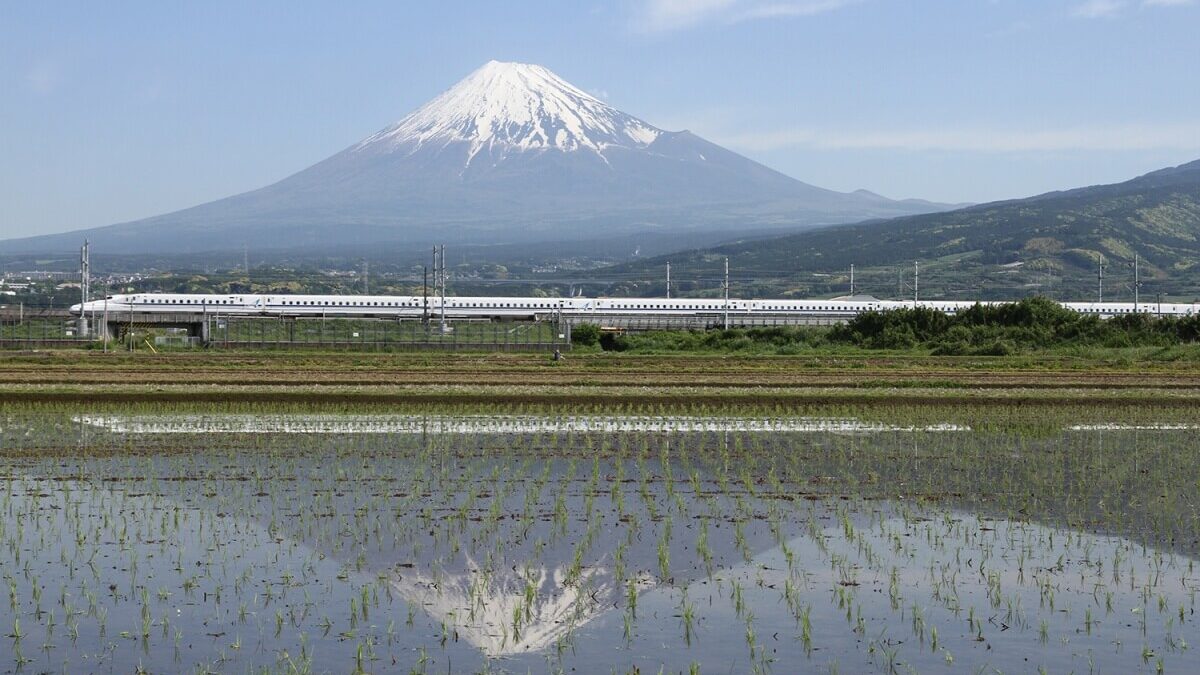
[1031,324]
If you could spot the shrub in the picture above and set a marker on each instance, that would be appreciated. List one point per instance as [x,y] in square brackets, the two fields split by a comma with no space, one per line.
[613,342]
[585,334]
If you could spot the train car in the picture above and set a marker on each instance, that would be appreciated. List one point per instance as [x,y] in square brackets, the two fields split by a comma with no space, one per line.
[480,307]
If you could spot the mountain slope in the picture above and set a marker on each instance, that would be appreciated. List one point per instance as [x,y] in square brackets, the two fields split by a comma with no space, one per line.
[1058,235]
[511,153]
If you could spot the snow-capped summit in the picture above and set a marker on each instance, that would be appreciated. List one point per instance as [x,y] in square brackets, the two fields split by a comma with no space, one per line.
[514,106]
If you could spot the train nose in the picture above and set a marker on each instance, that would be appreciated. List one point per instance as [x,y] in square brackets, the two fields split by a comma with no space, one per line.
[77,309]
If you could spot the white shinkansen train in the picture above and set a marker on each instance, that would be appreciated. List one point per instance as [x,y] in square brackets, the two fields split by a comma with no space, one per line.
[410,306]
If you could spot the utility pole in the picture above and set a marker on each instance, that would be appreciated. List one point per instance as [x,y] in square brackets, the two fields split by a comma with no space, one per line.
[1137,283]
[916,282]
[442,306]
[727,294]
[84,272]
[851,279]
[366,277]
[1101,296]
[104,333]
[668,279]
[85,276]
[246,263]
[425,295]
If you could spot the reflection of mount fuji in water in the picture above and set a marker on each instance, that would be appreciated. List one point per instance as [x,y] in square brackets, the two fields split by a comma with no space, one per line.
[482,606]
[523,586]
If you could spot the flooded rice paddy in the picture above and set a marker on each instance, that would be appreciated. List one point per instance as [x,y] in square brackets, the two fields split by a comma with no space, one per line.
[393,543]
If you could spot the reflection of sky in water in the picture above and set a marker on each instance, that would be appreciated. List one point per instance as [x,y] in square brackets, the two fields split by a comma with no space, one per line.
[523,424]
[261,529]
[507,424]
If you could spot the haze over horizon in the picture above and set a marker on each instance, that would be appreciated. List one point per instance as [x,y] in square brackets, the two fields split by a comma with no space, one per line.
[117,113]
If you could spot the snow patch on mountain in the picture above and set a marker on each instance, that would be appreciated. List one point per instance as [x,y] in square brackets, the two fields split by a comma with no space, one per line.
[505,107]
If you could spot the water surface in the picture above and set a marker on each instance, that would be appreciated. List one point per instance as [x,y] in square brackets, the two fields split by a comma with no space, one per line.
[530,544]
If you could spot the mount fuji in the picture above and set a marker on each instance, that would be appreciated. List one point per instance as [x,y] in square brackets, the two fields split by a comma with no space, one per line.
[512,153]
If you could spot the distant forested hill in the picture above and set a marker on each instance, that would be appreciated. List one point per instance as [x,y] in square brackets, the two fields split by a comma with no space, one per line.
[1051,242]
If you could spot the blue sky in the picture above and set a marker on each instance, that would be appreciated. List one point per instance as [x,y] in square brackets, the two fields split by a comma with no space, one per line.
[115,111]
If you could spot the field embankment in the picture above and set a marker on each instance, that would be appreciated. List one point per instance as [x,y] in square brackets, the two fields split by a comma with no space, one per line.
[1147,384]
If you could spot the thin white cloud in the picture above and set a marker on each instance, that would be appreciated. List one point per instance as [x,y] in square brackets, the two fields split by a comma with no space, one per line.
[668,15]
[1122,137]
[1108,9]
[1098,9]
[780,9]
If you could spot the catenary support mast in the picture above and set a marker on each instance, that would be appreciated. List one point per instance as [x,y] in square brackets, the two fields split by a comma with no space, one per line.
[726,294]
